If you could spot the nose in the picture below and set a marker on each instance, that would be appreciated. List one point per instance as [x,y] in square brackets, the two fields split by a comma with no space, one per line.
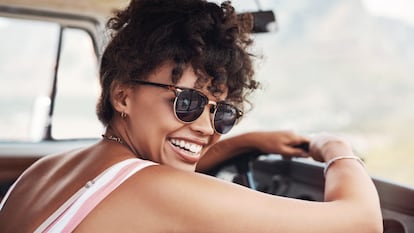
[203,124]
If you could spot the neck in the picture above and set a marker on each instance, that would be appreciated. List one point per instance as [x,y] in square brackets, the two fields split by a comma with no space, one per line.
[113,135]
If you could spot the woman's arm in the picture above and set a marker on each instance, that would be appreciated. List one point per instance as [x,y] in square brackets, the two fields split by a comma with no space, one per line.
[275,142]
[160,199]
[351,200]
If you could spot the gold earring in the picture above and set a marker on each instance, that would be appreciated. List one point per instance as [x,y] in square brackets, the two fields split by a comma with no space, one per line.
[123,115]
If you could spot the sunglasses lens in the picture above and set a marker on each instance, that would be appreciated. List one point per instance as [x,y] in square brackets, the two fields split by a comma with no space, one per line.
[189,105]
[225,118]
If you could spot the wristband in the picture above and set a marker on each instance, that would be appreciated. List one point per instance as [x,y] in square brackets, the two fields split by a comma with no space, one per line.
[330,162]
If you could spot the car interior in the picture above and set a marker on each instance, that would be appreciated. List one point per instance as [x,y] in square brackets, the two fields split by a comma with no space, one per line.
[269,173]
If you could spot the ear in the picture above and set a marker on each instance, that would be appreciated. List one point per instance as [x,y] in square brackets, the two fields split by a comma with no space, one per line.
[119,96]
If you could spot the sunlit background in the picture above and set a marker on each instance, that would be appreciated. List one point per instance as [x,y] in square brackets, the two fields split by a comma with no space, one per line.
[344,66]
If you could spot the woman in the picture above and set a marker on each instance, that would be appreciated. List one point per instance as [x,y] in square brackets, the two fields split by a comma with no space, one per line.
[174,78]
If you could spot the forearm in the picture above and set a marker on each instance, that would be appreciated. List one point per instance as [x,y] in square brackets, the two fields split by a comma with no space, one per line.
[267,142]
[350,194]
[350,187]
[226,149]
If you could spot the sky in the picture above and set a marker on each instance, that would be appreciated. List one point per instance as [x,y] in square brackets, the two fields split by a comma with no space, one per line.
[397,9]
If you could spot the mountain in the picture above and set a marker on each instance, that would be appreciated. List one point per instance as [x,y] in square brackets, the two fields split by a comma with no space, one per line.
[336,57]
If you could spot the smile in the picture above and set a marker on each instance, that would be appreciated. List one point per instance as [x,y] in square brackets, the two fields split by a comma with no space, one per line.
[187,146]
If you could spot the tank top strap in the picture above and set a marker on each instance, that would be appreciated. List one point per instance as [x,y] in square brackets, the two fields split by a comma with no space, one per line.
[75,209]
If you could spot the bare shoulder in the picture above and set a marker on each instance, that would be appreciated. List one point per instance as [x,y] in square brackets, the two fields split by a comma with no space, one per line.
[30,200]
[162,199]
[61,175]
[158,198]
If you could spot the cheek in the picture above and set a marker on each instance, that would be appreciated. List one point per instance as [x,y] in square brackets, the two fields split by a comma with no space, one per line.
[150,124]
[153,116]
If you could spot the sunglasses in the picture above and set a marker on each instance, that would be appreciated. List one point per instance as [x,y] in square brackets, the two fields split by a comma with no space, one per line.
[189,104]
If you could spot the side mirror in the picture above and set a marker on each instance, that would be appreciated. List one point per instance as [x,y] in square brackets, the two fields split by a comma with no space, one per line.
[264,21]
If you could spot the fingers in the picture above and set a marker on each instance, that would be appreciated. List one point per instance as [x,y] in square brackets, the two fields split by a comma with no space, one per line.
[286,143]
[293,144]
[294,152]
[304,146]
[300,149]
[321,147]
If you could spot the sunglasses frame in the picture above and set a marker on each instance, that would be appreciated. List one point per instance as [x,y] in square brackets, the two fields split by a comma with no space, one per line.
[177,90]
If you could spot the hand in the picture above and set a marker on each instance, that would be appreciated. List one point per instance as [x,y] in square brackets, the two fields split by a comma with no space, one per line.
[274,142]
[324,147]
[285,143]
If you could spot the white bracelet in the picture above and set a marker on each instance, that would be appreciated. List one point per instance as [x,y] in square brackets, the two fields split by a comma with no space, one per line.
[330,162]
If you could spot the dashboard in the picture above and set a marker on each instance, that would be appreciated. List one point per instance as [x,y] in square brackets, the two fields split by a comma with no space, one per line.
[303,179]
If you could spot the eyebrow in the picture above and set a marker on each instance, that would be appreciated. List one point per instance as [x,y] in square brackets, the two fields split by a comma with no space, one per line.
[172,86]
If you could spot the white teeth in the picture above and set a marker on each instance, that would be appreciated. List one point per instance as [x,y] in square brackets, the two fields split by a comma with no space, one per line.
[194,148]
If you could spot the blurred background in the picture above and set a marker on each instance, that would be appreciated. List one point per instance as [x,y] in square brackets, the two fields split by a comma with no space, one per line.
[97,7]
[343,66]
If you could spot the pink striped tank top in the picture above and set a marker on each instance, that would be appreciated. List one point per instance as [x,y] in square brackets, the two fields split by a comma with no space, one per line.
[76,208]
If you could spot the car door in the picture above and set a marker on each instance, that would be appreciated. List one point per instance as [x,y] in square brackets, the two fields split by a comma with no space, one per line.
[48,71]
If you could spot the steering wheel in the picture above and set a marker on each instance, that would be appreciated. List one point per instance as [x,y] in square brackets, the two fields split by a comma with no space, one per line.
[242,168]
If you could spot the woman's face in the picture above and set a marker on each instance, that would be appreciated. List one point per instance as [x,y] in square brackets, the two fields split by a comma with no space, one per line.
[157,134]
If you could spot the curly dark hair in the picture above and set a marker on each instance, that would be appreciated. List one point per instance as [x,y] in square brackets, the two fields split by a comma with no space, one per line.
[212,39]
